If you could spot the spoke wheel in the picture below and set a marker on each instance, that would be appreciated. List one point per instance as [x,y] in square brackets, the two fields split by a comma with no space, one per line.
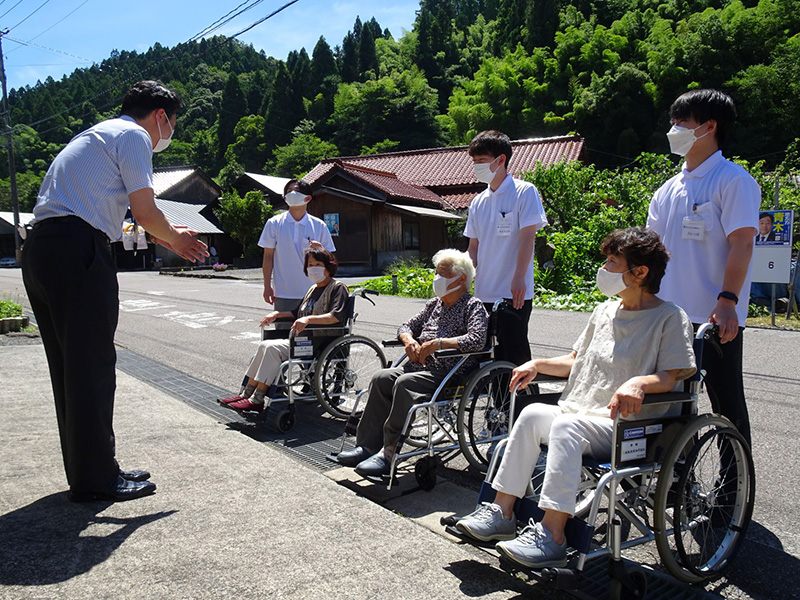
[344,369]
[707,486]
[483,413]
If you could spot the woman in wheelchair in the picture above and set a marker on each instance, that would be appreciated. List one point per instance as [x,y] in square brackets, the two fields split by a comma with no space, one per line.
[633,345]
[325,303]
[454,319]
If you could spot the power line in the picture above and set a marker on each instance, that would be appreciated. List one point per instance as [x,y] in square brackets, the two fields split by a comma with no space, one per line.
[29,43]
[30,15]
[10,9]
[38,35]
[114,87]
[219,22]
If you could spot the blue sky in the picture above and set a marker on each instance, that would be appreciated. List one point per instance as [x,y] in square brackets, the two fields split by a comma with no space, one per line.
[94,28]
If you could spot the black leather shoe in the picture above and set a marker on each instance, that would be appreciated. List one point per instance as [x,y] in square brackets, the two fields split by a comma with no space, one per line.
[351,458]
[122,490]
[135,475]
[374,466]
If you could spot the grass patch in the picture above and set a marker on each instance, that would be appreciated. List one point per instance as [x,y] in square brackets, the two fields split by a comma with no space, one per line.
[781,322]
[9,309]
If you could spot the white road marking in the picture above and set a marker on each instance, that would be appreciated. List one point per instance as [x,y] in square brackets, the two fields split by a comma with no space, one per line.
[143,304]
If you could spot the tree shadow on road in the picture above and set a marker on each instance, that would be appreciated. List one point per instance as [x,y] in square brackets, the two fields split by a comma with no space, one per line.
[53,540]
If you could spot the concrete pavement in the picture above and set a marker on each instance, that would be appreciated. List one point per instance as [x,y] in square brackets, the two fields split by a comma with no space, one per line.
[231,517]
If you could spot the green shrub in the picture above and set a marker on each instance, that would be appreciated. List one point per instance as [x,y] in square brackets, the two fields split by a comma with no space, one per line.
[414,280]
[9,309]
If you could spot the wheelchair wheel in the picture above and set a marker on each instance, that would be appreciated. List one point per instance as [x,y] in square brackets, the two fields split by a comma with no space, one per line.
[620,592]
[343,370]
[483,413]
[300,382]
[425,473]
[707,482]
[284,421]
[443,429]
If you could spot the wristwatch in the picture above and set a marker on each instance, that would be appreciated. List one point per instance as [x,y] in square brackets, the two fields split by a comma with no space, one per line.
[728,296]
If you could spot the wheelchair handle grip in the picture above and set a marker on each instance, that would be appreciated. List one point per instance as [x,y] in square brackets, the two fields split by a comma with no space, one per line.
[391,343]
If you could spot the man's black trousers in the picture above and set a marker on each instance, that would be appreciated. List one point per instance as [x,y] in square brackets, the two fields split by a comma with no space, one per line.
[512,331]
[71,281]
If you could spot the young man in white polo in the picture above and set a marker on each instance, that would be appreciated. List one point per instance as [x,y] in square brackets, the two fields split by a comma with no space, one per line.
[707,217]
[285,239]
[502,225]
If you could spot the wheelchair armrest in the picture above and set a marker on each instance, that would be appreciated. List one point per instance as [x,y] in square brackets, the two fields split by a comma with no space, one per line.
[540,377]
[275,334]
[391,343]
[667,398]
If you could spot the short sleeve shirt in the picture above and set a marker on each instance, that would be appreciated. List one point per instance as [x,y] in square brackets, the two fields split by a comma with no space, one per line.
[337,306]
[290,239]
[495,220]
[721,197]
[94,174]
[617,345]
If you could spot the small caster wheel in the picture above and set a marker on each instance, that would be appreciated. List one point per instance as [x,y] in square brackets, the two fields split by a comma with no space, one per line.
[620,592]
[284,421]
[425,473]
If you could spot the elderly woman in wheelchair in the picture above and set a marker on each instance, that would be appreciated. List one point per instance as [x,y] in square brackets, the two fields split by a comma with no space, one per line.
[633,345]
[325,303]
[454,319]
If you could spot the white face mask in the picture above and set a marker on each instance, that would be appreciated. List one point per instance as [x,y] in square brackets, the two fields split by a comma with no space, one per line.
[440,285]
[163,143]
[483,171]
[316,274]
[681,139]
[295,198]
[610,283]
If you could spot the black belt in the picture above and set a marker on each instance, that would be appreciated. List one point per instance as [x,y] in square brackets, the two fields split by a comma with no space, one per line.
[69,220]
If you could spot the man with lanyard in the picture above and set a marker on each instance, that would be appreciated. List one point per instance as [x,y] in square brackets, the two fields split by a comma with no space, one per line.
[285,239]
[71,279]
[502,225]
[707,217]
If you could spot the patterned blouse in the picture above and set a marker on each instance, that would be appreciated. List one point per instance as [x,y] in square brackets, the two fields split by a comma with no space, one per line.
[466,320]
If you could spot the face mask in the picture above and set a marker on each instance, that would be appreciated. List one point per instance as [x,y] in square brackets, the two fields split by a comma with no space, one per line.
[440,285]
[163,143]
[681,139]
[294,198]
[610,283]
[316,274]
[483,171]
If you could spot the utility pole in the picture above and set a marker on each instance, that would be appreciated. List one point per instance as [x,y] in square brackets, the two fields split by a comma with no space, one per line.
[12,172]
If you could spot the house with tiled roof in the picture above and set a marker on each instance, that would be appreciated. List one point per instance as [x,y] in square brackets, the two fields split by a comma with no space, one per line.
[396,205]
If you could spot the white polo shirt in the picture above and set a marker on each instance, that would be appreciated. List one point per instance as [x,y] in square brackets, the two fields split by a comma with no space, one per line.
[495,219]
[94,174]
[290,239]
[722,197]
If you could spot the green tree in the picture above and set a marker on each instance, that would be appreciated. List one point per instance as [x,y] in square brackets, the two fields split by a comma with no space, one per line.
[234,107]
[299,156]
[244,218]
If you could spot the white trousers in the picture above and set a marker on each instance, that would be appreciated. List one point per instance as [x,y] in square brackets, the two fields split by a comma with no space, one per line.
[267,361]
[568,437]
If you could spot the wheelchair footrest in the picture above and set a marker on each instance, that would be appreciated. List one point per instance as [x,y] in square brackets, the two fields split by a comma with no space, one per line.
[560,578]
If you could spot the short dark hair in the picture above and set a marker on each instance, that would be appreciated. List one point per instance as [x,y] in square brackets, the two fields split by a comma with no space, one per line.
[491,143]
[768,215]
[147,96]
[323,256]
[703,105]
[640,247]
[302,186]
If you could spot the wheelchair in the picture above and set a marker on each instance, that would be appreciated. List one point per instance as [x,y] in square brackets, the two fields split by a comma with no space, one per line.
[327,364]
[686,482]
[464,414]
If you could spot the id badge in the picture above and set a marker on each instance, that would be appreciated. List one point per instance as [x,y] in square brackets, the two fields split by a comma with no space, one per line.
[504,225]
[693,229]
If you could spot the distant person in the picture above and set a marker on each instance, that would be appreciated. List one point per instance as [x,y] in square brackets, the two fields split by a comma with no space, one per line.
[765,233]
[707,216]
[502,225]
[71,279]
[324,303]
[285,238]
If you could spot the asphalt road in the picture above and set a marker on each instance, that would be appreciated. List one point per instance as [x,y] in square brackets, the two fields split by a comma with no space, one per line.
[208,328]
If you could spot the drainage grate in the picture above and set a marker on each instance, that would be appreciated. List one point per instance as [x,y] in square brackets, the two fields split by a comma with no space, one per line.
[315,435]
